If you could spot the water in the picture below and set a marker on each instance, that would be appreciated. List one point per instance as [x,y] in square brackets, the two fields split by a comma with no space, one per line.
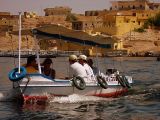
[141,103]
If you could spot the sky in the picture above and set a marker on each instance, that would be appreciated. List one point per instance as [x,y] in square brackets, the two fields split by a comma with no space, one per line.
[78,6]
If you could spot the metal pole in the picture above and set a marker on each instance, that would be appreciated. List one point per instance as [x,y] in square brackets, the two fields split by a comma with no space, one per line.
[37,54]
[19,44]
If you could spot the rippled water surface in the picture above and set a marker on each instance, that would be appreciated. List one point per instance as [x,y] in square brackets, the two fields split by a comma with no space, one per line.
[141,103]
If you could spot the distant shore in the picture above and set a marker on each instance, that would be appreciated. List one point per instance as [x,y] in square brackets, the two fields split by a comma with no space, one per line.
[53,54]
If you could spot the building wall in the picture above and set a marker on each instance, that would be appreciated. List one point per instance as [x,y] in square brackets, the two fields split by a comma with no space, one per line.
[4,13]
[57,11]
[128,5]
[8,25]
[78,25]
[89,50]
[92,13]
[30,14]
[8,22]
[86,25]
[45,20]
[121,23]
[119,26]
[136,4]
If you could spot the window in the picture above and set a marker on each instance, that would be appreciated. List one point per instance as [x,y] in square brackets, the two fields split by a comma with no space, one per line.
[134,14]
[133,7]
[96,13]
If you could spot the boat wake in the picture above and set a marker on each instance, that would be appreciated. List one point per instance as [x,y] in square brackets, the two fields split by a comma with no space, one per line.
[4,97]
[8,96]
[75,98]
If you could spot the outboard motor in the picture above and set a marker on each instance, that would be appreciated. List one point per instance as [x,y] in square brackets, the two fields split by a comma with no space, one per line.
[111,71]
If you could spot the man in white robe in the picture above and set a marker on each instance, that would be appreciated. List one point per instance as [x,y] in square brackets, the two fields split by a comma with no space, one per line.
[76,69]
[89,70]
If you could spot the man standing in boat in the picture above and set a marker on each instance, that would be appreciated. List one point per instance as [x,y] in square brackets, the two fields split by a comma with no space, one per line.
[76,69]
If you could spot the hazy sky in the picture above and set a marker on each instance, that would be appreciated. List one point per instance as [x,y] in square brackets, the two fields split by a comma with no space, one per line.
[78,6]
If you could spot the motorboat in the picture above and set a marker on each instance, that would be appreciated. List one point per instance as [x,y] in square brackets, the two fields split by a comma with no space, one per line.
[38,87]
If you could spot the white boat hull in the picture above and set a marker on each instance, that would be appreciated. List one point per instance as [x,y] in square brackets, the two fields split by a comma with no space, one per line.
[41,88]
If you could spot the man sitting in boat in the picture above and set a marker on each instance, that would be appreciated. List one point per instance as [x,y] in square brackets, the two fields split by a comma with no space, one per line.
[90,63]
[47,70]
[76,69]
[31,65]
[89,71]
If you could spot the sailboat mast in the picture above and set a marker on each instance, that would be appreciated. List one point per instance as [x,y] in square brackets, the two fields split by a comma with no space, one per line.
[19,43]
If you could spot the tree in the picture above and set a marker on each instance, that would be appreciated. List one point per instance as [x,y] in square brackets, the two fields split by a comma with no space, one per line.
[153,21]
[157,20]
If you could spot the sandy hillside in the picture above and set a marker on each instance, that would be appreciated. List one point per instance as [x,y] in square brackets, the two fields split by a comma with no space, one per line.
[142,42]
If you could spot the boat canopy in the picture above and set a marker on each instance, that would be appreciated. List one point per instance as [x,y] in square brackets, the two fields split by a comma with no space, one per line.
[62,33]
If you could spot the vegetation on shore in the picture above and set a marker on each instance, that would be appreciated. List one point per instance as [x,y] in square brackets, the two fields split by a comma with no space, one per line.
[153,21]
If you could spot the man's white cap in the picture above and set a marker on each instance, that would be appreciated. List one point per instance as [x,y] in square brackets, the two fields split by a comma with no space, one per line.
[82,57]
[72,57]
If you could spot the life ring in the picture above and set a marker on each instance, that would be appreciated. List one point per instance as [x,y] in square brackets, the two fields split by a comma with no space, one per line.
[102,82]
[126,81]
[79,83]
[15,76]
[121,81]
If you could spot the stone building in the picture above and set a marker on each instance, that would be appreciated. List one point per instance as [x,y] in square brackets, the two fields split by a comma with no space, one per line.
[120,22]
[30,14]
[4,13]
[86,23]
[8,22]
[57,11]
[93,12]
[126,16]
[134,4]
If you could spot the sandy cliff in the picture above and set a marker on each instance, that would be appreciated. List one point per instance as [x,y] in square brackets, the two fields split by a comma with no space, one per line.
[142,42]
[10,42]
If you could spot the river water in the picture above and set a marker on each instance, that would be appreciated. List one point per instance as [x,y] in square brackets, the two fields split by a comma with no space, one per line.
[141,103]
